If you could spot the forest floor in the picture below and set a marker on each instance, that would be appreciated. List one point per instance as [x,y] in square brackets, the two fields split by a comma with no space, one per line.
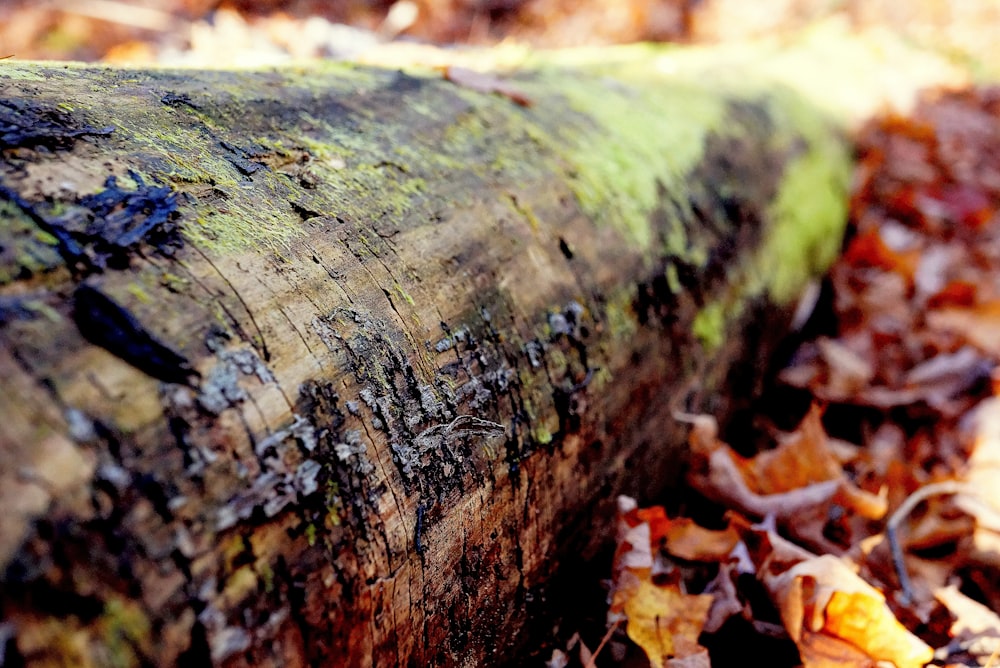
[870,531]
[855,517]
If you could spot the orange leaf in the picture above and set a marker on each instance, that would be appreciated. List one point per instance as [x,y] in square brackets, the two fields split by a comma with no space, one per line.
[955,293]
[659,523]
[866,622]
[869,250]
[688,540]
[824,596]
[802,458]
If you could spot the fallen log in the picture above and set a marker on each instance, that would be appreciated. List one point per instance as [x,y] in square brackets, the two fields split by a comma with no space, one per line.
[339,365]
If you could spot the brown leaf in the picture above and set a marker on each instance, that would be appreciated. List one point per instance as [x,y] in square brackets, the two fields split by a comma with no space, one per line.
[802,473]
[980,325]
[801,458]
[975,626]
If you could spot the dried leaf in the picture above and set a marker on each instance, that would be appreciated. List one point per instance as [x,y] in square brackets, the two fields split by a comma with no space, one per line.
[725,484]
[664,622]
[982,498]
[802,473]
[699,659]
[980,325]
[685,539]
[634,552]
[823,596]
[869,249]
[976,627]
[801,458]
[727,602]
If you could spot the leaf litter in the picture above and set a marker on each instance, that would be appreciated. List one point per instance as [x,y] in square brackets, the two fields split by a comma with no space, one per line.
[873,527]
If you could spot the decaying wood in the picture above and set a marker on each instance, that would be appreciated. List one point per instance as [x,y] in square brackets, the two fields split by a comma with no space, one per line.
[340,366]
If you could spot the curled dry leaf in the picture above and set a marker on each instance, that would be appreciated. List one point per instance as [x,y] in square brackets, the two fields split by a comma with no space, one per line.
[823,596]
[634,543]
[983,476]
[802,458]
[687,540]
[647,529]
[802,473]
[727,602]
[980,325]
[976,628]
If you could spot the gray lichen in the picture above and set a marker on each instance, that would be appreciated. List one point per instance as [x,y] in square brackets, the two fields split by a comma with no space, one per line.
[353,451]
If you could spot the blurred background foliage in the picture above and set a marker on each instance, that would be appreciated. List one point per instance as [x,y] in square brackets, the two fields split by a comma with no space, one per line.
[227,33]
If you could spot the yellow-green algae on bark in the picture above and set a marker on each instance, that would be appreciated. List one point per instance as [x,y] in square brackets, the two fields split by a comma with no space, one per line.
[662,122]
[652,123]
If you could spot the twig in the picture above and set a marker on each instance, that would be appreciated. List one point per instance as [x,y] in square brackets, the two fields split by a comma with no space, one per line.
[604,641]
[993,657]
[946,488]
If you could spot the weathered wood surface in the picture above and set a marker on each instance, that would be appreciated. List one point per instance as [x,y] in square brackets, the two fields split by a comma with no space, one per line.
[338,366]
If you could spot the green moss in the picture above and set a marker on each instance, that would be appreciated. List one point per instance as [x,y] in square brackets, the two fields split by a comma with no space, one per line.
[709,326]
[173,282]
[12,69]
[523,209]
[44,237]
[620,316]
[43,309]
[673,280]
[240,584]
[650,133]
[404,294]
[26,248]
[334,504]
[542,435]
[266,575]
[123,628]
[810,213]
[231,550]
[139,293]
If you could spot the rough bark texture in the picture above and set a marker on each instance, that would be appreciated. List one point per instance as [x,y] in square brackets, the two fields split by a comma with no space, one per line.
[339,366]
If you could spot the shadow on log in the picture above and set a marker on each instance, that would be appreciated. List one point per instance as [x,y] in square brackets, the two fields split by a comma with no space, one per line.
[341,365]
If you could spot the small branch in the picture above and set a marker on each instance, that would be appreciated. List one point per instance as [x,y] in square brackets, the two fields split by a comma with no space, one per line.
[945,488]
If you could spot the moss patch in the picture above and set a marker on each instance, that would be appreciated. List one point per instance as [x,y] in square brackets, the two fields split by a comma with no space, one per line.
[633,136]
[809,214]
[124,628]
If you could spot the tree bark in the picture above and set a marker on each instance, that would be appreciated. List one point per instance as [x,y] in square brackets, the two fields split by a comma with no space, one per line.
[339,366]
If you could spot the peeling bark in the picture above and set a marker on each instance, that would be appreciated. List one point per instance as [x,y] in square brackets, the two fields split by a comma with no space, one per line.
[341,366]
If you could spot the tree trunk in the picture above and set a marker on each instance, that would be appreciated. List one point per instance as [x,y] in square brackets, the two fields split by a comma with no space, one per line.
[339,366]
